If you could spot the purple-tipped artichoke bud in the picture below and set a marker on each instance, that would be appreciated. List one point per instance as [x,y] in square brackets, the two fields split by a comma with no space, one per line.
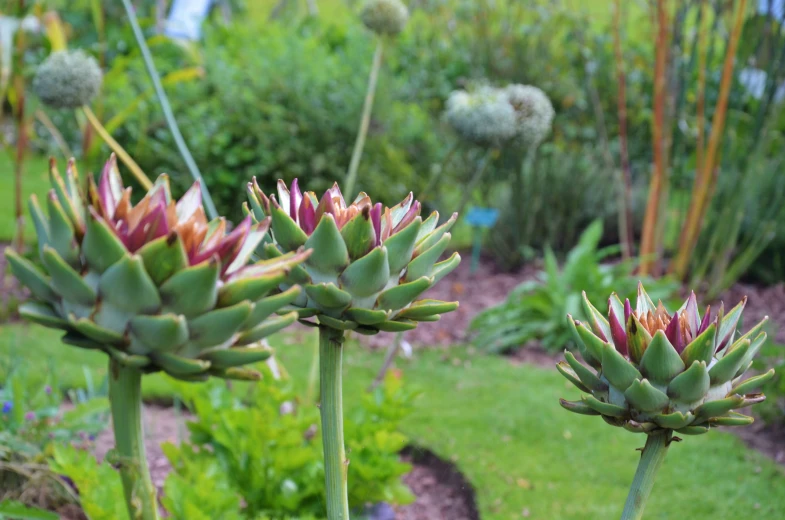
[369,263]
[67,79]
[534,113]
[483,117]
[154,285]
[385,17]
[660,371]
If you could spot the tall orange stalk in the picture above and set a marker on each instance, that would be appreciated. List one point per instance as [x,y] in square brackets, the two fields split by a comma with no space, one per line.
[650,249]
[703,49]
[625,205]
[21,129]
[707,177]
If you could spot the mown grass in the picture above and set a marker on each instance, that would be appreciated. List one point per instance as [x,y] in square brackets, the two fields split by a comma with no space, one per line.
[35,180]
[503,427]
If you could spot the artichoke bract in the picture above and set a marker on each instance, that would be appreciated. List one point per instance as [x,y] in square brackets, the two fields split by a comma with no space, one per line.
[369,263]
[656,372]
[154,285]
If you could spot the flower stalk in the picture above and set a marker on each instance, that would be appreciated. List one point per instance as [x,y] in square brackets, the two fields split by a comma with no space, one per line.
[135,169]
[365,120]
[125,396]
[652,458]
[167,109]
[335,464]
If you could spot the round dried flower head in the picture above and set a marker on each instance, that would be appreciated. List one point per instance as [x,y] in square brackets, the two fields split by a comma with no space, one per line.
[534,112]
[385,17]
[67,79]
[483,117]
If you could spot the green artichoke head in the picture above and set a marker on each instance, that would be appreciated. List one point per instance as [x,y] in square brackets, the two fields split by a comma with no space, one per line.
[369,263]
[154,285]
[652,371]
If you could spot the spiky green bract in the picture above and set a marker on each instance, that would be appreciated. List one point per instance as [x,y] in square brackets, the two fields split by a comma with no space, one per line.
[154,285]
[369,264]
[662,373]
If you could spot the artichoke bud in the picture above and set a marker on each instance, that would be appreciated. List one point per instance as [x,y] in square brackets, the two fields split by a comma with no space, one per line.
[154,284]
[655,370]
[369,263]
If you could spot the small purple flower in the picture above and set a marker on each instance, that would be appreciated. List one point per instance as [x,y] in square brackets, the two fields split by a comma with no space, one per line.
[7,406]
[91,437]
[48,390]
[29,416]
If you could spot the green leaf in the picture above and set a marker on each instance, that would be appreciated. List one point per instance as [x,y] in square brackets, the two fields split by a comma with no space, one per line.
[660,361]
[19,511]
[691,385]
[368,275]
[330,254]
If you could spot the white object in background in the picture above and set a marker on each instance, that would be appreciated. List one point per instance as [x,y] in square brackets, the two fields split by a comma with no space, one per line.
[186,18]
[777,7]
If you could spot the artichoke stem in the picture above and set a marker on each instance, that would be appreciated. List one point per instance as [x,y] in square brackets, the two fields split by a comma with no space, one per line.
[651,459]
[335,464]
[125,396]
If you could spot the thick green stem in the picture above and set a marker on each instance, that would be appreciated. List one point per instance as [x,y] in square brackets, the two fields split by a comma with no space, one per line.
[335,464]
[365,121]
[125,396]
[651,459]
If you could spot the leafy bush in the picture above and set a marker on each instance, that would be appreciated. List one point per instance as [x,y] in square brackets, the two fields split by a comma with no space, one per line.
[537,309]
[289,110]
[266,452]
[99,485]
[32,422]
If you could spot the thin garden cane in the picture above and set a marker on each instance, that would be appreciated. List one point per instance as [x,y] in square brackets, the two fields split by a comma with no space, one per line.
[167,109]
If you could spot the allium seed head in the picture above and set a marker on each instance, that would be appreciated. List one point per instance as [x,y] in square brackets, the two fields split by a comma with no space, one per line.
[534,112]
[483,117]
[67,79]
[385,17]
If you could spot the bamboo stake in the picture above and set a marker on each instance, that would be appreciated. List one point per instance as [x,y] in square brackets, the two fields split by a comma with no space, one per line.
[657,186]
[707,177]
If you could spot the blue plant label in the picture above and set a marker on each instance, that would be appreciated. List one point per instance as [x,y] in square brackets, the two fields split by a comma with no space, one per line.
[482,217]
[186,18]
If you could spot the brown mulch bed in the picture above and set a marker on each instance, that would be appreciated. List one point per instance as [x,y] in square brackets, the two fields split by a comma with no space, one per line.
[476,292]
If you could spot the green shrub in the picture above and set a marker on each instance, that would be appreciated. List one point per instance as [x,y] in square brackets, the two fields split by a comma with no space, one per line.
[537,309]
[277,101]
[267,451]
[32,423]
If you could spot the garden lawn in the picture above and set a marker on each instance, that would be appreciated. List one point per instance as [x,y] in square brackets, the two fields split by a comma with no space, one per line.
[503,427]
[35,180]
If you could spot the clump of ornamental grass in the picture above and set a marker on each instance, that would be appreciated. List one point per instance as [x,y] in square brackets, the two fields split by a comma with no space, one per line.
[659,373]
